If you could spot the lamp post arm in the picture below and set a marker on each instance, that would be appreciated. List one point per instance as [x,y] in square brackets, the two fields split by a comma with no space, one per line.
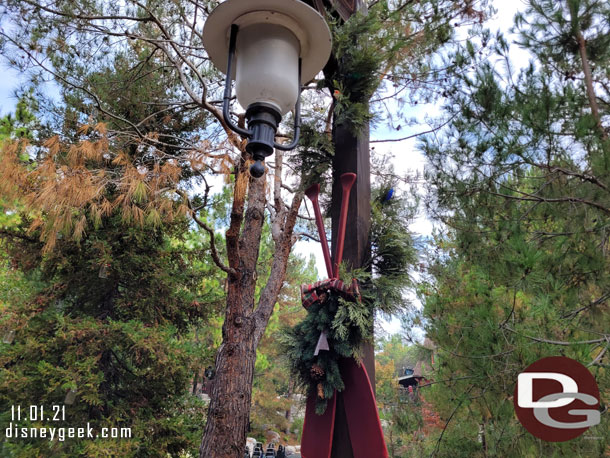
[228,82]
[297,122]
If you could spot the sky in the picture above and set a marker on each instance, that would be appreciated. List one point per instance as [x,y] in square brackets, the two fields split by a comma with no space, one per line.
[407,159]
[9,81]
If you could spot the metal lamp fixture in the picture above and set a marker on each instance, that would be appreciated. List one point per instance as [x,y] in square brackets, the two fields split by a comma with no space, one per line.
[270,47]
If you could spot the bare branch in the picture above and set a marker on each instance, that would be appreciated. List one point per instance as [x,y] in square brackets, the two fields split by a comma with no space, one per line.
[280,211]
[306,235]
[598,358]
[71,84]
[583,176]
[43,7]
[274,284]
[434,129]
[601,300]
[237,215]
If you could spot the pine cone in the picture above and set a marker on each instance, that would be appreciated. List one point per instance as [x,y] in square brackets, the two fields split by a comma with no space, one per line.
[320,391]
[316,372]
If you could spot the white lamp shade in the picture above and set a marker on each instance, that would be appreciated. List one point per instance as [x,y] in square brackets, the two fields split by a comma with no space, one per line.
[267,66]
[297,18]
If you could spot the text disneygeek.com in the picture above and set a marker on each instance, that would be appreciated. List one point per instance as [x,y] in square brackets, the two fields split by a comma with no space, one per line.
[55,413]
[15,431]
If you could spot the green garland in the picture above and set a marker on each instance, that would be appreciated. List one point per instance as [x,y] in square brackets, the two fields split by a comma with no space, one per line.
[364,48]
[383,282]
[347,325]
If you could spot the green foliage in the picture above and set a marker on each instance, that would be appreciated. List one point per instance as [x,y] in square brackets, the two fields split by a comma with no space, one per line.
[407,416]
[21,124]
[314,155]
[357,47]
[109,322]
[391,50]
[133,78]
[520,177]
[392,350]
[346,325]
[393,251]
[110,315]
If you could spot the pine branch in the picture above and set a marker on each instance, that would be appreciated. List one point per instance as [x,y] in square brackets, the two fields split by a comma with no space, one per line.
[606,338]
[601,300]
[215,256]
[446,380]
[86,17]
[434,129]
[48,69]
[590,178]
[533,198]
[16,235]
[438,442]
[508,352]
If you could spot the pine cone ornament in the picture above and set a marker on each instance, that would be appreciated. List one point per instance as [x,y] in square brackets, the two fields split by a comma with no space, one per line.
[316,372]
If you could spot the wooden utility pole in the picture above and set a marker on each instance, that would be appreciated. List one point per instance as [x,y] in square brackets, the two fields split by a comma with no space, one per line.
[352,155]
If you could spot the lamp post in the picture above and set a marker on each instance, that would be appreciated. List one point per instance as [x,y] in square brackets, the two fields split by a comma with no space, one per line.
[270,47]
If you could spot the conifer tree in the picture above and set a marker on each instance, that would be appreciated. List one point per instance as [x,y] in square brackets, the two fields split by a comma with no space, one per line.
[520,179]
[109,286]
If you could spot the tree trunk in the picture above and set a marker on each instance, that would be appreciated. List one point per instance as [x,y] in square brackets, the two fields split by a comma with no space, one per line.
[243,328]
[582,48]
[195,380]
[229,410]
[197,369]
[586,68]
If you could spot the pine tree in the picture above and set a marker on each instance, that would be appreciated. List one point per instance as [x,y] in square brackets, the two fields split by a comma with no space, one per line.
[103,288]
[105,327]
[520,180]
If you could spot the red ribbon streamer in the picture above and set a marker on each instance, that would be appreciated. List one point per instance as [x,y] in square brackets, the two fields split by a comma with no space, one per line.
[363,423]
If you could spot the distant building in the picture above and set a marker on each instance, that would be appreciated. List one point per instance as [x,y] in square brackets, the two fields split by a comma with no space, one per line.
[413,376]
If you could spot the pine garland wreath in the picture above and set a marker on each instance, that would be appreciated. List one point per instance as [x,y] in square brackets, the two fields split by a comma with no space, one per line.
[344,313]
[339,312]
